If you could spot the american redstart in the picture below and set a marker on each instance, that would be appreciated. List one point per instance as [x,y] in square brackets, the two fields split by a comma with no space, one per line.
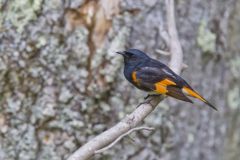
[154,77]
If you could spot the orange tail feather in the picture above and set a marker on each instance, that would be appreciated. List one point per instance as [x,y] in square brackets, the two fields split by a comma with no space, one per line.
[194,94]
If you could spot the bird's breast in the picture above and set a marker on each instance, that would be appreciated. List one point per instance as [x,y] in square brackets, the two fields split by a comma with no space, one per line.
[128,73]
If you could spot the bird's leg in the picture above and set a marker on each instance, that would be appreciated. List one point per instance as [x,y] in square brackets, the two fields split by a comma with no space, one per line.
[147,99]
[150,95]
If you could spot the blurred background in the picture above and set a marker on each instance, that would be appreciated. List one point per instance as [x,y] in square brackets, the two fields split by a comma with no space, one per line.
[61,82]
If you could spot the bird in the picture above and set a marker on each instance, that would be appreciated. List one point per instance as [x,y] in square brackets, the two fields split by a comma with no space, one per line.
[156,78]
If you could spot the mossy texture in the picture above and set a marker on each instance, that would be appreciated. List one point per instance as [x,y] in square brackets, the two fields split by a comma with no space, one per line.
[20,13]
[206,39]
[58,90]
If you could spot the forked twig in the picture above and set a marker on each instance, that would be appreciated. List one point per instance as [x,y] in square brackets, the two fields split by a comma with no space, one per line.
[122,136]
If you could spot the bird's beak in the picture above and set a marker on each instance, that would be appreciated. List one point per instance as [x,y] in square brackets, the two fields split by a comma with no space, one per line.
[122,53]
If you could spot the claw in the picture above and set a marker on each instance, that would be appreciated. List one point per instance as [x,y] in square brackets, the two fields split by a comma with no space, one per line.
[147,99]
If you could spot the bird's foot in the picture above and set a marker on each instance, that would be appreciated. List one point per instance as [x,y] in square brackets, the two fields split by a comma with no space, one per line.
[141,104]
[149,95]
[148,99]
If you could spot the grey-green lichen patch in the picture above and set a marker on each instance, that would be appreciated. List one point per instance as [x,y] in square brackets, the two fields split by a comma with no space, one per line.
[77,46]
[65,95]
[24,142]
[53,5]
[77,124]
[3,65]
[20,13]
[13,105]
[234,93]
[49,152]
[28,143]
[116,60]
[206,39]
[41,41]
[234,98]
[235,67]
[105,63]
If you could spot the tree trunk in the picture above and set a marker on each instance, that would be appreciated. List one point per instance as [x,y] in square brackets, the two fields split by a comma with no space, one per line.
[61,82]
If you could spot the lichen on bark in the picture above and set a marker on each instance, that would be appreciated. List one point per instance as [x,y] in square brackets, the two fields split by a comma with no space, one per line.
[59,87]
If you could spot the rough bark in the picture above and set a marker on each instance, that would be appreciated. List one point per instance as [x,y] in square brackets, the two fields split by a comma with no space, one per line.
[49,64]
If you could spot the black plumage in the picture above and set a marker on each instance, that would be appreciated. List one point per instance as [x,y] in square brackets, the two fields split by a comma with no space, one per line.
[154,77]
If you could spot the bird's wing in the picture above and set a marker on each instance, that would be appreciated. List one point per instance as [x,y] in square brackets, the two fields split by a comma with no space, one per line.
[154,77]
[160,80]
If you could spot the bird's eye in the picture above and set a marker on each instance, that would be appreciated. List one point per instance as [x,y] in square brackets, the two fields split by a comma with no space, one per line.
[130,55]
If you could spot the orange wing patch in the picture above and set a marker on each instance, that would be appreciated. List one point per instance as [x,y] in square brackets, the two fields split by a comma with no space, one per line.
[161,87]
[167,82]
[192,93]
[134,77]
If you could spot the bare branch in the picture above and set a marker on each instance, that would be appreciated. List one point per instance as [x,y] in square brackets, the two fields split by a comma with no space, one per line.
[184,66]
[165,53]
[121,137]
[175,47]
[165,35]
[139,114]
[107,137]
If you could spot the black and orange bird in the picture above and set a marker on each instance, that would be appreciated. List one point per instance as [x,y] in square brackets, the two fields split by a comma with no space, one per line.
[154,77]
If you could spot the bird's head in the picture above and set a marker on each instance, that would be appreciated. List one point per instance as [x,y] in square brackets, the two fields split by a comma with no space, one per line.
[133,56]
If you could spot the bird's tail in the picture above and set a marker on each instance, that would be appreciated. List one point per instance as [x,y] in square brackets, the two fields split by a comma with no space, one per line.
[192,93]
